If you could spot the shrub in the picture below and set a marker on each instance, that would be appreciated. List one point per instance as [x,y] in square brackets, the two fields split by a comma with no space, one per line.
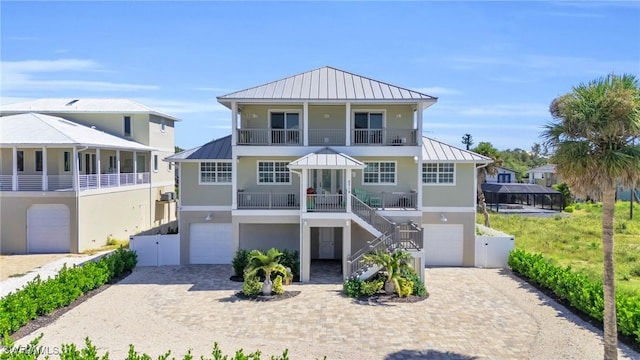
[371,287]
[418,286]
[406,287]
[278,289]
[251,286]
[578,290]
[240,262]
[291,259]
[568,209]
[40,297]
[353,287]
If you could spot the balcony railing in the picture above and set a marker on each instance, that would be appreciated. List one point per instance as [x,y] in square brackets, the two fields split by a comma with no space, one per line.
[267,200]
[327,137]
[65,182]
[326,203]
[269,137]
[386,137]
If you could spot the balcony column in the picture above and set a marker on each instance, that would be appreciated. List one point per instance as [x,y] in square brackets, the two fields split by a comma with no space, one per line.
[98,168]
[234,123]
[75,173]
[347,117]
[234,181]
[305,123]
[347,193]
[45,181]
[135,167]
[419,111]
[304,180]
[118,167]
[14,170]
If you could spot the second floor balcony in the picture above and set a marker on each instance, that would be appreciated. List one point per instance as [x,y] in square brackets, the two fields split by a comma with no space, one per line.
[65,182]
[328,137]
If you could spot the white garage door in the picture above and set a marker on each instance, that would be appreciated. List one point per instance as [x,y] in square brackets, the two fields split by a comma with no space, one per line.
[210,244]
[48,228]
[443,245]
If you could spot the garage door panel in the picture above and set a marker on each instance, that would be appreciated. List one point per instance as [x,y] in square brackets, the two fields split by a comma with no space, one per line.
[444,245]
[210,244]
[48,228]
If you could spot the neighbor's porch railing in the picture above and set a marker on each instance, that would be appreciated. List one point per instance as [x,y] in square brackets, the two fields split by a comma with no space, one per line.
[267,200]
[65,182]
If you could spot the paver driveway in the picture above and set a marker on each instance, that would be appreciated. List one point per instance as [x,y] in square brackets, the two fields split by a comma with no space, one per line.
[471,314]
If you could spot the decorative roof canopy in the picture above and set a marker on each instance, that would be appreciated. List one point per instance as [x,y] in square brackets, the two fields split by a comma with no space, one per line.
[326,158]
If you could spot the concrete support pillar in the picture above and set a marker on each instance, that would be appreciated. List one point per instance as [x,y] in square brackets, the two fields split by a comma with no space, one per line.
[98,168]
[14,170]
[346,249]
[45,178]
[305,252]
[347,117]
[305,122]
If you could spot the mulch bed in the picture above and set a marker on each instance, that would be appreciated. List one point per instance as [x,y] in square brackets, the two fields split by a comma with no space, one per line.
[382,298]
[625,339]
[263,298]
[241,279]
[45,320]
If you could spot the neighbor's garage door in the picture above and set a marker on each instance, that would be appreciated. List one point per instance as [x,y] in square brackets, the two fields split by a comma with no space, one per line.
[210,244]
[48,228]
[443,245]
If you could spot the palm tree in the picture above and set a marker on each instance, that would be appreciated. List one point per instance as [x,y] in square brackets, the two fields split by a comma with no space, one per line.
[486,149]
[267,262]
[592,134]
[394,263]
[467,140]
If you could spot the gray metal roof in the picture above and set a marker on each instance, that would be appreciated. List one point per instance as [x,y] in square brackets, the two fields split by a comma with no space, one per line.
[327,83]
[548,168]
[43,130]
[515,188]
[436,151]
[70,105]
[219,149]
[326,158]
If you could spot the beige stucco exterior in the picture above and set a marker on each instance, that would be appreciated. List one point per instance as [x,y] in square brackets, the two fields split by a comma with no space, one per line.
[197,194]
[467,220]
[461,194]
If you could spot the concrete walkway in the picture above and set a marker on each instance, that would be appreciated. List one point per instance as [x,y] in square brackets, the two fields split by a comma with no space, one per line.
[470,314]
[46,271]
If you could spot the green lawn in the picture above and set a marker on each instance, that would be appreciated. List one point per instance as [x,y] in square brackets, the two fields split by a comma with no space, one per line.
[576,240]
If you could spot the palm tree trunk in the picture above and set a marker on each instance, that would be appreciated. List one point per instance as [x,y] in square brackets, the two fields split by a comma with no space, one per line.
[610,322]
[481,199]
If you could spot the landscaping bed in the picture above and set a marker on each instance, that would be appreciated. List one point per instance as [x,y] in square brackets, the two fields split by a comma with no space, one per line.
[264,298]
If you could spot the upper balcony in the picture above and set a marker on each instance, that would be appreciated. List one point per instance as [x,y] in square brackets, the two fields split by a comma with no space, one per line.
[65,182]
[328,137]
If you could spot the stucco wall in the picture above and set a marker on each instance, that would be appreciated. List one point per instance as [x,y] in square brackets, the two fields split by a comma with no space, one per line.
[462,194]
[195,217]
[406,175]
[248,176]
[266,236]
[195,194]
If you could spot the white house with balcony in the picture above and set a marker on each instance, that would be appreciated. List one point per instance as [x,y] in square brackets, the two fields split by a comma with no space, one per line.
[74,172]
[333,165]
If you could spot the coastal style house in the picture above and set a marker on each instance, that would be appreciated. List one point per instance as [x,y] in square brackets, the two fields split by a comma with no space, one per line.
[503,176]
[544,175]
[333,165]
[74,172]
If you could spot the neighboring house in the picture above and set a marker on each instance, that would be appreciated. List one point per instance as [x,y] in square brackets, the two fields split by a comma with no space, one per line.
[325,162]
[544,175]
[504,176]
[75,171]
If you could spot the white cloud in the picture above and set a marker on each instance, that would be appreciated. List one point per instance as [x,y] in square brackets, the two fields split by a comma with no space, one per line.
[437,90]
[476,125]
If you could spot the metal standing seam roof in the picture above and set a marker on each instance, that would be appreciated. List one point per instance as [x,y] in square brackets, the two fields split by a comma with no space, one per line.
[516,188]
[219,149]
[326,83]
[70,105]
[547,168]
[436,151]
[40,130]
[326,158]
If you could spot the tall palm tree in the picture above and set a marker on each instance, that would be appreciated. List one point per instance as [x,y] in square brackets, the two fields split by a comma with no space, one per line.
[592,133]
[486,149]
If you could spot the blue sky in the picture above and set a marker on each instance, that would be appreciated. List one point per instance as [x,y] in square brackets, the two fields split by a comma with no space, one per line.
[495,66]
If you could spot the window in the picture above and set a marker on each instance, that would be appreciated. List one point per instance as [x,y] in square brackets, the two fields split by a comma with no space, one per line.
[162,125]
[368,127]
[20,155]
[155,162]
[38,160]
[113,163]
[215,172]
[67,161]
[273,172]
[285,128]
[379,173]
[127,126]
[438,173]
[169,166]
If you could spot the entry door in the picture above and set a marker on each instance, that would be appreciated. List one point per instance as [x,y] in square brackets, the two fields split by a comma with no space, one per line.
[326,243]
[327,181]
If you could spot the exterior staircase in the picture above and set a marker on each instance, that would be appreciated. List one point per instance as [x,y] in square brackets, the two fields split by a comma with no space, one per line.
[389,237]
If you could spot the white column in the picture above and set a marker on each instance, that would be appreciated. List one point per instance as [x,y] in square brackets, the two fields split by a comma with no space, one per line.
[305,123]
[118,167]
[346,249]
[234,123]
[304,181]
[14,171]
[348,189]
[135,167]
[45,180]
[347,117]
[76,170]
[305,251]
[98,167]
[419,110]
[234,181]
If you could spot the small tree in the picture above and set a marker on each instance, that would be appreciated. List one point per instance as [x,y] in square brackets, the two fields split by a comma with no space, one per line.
[467,140]
[267,262]
[486,149]
[394,263]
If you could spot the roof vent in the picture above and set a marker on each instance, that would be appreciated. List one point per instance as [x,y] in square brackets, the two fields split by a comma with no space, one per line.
[72,102]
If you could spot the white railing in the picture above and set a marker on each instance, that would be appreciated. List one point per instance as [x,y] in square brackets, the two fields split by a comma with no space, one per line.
[327,137]
[6,182]
[65,182]
[269,137]
[108,180]
[326,203]
[387,137]
[29,183]
[401,137]
[60,182]
[267,200]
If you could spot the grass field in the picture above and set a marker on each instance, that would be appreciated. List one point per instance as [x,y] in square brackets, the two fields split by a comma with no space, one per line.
[576,239]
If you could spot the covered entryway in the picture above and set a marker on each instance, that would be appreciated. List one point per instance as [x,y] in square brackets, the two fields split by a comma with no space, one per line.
[48,228]
[210,243]
[444,245]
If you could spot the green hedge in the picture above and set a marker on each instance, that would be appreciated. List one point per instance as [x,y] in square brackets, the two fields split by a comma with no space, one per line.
[40,297]
[34,351]
[581,292]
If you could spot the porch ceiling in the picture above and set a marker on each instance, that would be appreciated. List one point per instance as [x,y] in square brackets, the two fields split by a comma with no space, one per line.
[326,158]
